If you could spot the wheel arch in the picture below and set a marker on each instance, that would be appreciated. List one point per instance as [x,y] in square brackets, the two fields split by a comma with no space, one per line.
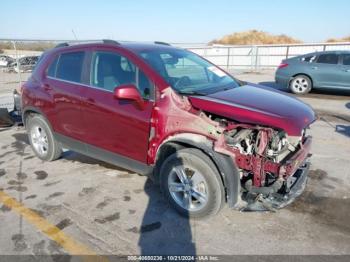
[227,169]
[27,111]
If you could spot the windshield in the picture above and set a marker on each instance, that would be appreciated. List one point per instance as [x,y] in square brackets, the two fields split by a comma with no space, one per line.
[187,72]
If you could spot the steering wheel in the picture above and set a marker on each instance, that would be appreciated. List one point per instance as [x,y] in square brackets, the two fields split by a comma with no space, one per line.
[182,81]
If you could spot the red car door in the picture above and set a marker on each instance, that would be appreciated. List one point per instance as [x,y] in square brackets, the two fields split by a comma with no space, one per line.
[63,82]
[117,126]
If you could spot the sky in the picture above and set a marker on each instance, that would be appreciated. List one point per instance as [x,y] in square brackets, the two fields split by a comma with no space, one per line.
[177,21]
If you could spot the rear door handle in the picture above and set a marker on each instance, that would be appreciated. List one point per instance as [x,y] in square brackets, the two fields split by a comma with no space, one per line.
[314,67]
[346,70]
[46,87]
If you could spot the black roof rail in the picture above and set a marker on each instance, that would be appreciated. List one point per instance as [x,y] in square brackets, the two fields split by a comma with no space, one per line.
[61,45]
[105,41]
[109,41]
[161,43]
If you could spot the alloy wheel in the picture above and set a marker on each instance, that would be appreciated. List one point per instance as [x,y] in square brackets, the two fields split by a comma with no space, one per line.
[188,188]
[39,140]
[300,84]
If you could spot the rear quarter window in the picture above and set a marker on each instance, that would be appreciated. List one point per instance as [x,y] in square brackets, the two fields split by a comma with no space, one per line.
[308,59]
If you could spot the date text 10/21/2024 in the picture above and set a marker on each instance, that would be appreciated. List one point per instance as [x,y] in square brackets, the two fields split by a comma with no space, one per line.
[173,258]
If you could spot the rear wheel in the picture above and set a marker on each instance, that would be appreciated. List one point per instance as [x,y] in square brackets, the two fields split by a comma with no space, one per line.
[41,139]
[300,84]
[192,184]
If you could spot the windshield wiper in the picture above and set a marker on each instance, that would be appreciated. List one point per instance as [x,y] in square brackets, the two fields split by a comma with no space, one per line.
[196,93]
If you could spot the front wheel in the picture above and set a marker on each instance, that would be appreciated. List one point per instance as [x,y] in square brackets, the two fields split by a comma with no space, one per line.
[192,184]
[300,84]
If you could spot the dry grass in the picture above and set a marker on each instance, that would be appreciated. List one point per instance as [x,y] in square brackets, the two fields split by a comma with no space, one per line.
[33,46]
[254,37]
[344,39]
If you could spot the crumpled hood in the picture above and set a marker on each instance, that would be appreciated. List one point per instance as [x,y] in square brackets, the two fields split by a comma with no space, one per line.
[260,105]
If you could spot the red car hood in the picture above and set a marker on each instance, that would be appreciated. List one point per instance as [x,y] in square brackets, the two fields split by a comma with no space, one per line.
[258,105]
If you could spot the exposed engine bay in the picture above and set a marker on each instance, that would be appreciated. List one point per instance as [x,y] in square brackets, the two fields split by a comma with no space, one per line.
[268,159]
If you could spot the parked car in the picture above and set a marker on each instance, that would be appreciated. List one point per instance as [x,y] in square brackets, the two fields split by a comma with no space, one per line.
[330,69]
[5,60]
[168,113]
[26,63]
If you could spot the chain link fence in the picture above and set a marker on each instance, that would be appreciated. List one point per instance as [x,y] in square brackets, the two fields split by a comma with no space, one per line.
[260,57]
[17,60]
[19,56]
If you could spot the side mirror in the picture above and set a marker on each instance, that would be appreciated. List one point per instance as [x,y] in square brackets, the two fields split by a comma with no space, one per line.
[129,92]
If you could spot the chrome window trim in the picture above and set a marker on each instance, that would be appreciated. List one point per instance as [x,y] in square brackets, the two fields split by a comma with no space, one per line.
[78,83]
[90,86]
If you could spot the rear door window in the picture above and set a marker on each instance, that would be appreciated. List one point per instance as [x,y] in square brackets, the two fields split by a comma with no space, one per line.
[328,59]
[69,66]
[346,59]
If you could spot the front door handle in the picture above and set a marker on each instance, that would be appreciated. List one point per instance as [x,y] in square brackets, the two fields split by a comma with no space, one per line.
[314,67]
[346,70]
[90,100]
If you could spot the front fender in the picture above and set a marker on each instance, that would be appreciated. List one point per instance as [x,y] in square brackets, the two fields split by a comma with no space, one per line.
[225,164]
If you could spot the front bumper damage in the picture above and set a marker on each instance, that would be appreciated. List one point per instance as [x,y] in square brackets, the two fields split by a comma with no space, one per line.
[298,183]
[259,202]
[293,173]
[289,175]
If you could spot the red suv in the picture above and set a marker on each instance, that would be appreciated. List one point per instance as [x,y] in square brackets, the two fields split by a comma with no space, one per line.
[207,138]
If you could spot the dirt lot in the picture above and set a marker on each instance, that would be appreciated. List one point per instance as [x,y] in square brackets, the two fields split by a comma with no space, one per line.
[103,209]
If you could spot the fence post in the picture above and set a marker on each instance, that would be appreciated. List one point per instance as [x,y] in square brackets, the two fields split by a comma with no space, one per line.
[252,52]
[18,64]
[256,58]
[228,58]
[287,52]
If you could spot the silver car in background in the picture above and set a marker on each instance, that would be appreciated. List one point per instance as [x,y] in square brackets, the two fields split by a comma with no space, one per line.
[329,69]
[6,60]
[26,64]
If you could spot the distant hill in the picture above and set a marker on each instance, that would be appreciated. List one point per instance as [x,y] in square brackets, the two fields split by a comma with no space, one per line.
[254,37]
[344,39]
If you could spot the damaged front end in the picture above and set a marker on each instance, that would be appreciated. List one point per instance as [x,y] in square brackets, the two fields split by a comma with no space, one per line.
[273,166]
[264,133]
[270,150]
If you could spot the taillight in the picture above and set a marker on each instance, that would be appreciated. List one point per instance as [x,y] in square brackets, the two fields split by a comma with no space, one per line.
[282,65]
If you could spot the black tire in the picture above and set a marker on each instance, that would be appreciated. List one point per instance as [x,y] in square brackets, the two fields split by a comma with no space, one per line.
[194,158]
[300,84]
[54,149]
